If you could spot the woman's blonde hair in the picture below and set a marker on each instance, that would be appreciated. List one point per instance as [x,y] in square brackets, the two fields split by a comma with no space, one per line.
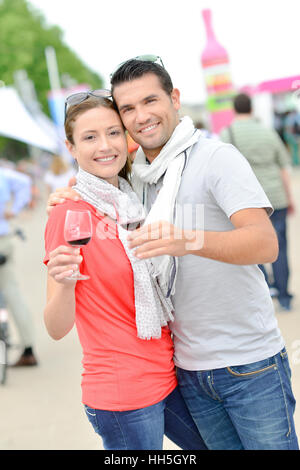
[90,103]
[58,165]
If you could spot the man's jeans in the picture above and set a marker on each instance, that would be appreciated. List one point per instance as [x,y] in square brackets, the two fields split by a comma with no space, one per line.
[144,428]
[280,267]
[243,407]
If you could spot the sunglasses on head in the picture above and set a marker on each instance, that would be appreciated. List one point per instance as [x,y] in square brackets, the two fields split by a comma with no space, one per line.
[78,98]
[156,59]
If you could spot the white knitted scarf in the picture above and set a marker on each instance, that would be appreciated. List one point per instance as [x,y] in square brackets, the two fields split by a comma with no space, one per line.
[170,162]
[122,205]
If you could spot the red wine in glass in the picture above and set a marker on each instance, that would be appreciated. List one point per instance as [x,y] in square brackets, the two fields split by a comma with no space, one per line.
[82,241]
[78,232]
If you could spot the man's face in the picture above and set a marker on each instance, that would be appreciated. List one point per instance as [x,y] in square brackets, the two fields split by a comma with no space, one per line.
[148,112]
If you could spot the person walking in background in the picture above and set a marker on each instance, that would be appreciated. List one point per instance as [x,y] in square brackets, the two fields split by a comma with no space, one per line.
[59,174]
[15,187]
[292,133]
[205,132]
[32,170]
[129,385]
[270,162]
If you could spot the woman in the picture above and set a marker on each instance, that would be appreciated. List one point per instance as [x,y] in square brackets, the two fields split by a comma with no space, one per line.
[129,386]
[58,174]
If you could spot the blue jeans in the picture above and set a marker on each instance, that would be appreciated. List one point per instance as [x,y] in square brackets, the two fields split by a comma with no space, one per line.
[243,407]
[144,428]
[280,267]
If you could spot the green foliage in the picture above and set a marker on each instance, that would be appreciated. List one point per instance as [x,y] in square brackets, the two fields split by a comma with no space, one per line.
[24,36]
[13,150]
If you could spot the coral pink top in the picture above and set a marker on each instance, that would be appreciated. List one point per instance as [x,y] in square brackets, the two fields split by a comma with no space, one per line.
[120,371]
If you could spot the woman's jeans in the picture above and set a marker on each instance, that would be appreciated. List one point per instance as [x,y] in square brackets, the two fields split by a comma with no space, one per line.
[144,428]
[243,407]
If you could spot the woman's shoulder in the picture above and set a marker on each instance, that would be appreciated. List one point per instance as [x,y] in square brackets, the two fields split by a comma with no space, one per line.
[102,223]
[56,220]
[69,204]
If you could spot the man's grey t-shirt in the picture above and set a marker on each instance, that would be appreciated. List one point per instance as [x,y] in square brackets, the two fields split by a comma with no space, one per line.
[224,314]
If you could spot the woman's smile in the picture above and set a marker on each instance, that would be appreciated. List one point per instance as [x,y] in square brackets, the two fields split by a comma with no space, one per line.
[106,160]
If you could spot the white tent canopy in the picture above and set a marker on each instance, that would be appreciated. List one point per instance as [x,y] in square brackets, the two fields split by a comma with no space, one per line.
[16,122]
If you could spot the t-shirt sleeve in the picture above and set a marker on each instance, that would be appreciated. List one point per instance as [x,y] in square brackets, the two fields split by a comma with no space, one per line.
[54,231]
[233,183]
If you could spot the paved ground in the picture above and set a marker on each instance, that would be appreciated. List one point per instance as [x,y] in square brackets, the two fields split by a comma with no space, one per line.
[40,407]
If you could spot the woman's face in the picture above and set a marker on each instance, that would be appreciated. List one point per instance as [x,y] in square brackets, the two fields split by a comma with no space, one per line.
[100,145]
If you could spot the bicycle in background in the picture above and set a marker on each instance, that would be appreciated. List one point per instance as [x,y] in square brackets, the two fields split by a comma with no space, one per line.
[4,326]
[4,344]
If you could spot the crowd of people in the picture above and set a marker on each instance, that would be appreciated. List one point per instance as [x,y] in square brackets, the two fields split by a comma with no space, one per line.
[287,124]
[177,299]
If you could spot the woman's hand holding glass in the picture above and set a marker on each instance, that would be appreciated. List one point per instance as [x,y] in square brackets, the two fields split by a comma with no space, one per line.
[63,262]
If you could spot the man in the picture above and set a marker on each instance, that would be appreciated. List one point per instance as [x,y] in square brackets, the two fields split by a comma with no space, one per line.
[270,162]
[228,350]
[15,189]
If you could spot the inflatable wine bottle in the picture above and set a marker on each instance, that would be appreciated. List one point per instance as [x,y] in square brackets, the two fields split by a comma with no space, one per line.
[219,87]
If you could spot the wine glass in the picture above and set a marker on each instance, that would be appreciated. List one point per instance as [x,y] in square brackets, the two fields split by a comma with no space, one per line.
[78,232]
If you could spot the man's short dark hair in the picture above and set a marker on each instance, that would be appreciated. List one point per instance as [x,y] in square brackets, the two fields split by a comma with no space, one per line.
[242,104]
[134,68]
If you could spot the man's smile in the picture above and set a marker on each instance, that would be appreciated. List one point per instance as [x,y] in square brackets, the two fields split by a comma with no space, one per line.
[149,128]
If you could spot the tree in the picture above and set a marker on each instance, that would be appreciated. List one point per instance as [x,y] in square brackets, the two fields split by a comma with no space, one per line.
[24,35]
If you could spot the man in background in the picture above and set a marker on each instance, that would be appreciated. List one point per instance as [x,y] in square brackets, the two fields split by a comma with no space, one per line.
[15,191]
[270,162]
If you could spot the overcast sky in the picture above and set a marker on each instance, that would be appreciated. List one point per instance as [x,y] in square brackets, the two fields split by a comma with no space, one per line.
[261,36]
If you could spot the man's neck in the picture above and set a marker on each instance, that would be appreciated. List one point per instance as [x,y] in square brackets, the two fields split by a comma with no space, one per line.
[243,117]
[151,154]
